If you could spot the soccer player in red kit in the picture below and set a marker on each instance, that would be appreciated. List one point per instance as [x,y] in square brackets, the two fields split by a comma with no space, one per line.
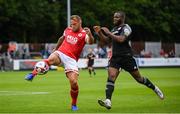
[67,52]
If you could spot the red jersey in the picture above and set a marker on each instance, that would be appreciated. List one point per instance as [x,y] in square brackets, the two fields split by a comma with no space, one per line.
[73,43]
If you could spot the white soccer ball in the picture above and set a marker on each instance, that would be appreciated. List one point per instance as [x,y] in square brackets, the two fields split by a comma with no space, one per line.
[41,67]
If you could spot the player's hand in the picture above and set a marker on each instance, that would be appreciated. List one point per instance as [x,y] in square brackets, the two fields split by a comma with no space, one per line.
[88,31]
[90,40]
[96,28]
[105,30]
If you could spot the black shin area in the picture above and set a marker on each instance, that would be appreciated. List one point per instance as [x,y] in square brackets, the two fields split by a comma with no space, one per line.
[148,83]
[109,88]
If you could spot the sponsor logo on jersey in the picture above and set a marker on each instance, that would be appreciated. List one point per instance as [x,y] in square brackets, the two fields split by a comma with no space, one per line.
[72,39]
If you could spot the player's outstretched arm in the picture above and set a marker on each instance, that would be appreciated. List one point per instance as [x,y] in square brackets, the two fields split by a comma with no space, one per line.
[118,38]
[101,35]
[60,40]
[90,39]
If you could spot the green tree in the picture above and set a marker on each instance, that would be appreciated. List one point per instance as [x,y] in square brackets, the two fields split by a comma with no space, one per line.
[45,20]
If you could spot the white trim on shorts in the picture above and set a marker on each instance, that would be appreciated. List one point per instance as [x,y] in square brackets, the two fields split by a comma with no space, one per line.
[69,63]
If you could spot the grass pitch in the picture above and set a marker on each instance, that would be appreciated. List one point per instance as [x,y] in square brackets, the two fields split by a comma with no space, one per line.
[50,93]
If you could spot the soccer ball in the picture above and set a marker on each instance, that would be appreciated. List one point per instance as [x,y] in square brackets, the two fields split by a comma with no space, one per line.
[41,67]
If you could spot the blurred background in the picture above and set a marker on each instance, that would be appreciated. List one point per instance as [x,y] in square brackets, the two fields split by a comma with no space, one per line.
[29,29]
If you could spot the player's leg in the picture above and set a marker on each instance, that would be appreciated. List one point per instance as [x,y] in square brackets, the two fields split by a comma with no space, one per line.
[93,69]
[89,69]
[73,79]
[112,76]
[53,59]
[71,69]
[131,66]
[144,80]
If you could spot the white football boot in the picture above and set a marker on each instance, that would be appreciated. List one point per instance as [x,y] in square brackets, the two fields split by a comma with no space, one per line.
[159,93]
[106,103]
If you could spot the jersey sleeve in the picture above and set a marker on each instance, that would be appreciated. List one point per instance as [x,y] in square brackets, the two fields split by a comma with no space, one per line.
[126,30]
[64,33]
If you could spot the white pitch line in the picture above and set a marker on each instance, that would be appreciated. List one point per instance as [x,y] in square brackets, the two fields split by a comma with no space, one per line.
[10,93]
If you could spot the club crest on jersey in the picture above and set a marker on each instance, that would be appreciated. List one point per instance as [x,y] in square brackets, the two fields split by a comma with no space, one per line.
[72,39]
[80,35]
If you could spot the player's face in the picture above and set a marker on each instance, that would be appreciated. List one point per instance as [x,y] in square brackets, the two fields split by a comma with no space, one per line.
[76,25]
[117,19]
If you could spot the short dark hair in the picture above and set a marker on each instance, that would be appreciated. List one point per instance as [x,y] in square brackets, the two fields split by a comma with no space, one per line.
[122,13]
[76,17]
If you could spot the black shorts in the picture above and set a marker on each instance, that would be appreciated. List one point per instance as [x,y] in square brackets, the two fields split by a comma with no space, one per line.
[127,63]
[90,64]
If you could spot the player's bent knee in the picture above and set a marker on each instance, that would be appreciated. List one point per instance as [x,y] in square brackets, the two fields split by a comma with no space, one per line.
[73,83]
[112,76]
[73,79]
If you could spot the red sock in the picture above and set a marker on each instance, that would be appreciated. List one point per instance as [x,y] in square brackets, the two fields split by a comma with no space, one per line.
[47,62]
[74,94]
[34,72]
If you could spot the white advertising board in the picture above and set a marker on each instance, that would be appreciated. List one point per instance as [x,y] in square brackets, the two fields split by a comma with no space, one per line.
[82,63]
